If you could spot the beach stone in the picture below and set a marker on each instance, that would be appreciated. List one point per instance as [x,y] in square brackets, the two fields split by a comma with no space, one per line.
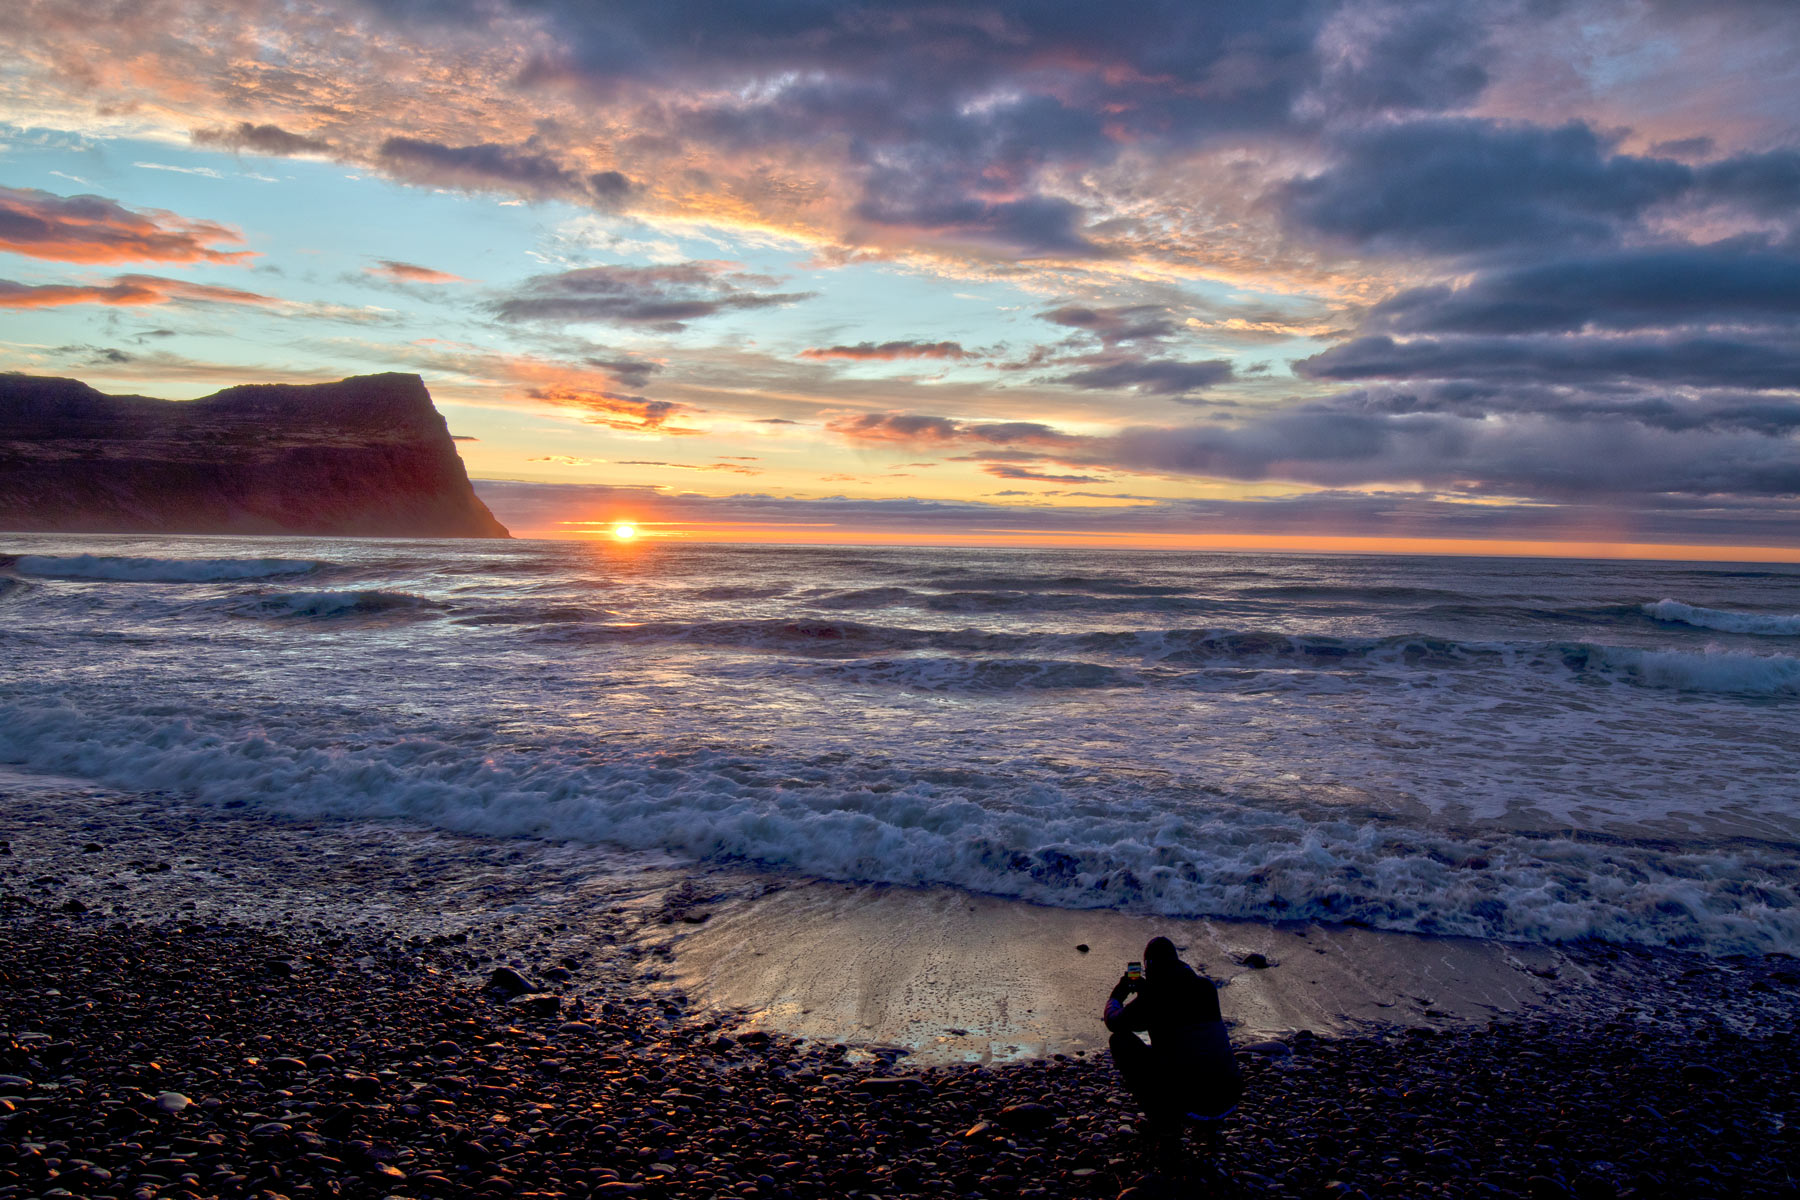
[1027,1116]
[73,905]
[509,982]
[172,1102]
[537,1004]
[1269,1049]
[1082,948]
[1543,1187]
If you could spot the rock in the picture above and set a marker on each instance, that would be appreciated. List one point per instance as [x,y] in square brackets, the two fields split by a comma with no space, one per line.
[73,905]
[172,1102]
[366,456]
[1255,961]
[1543,1187]
[537,1004]
[1703,1074]
[1027,1117]
[509,982]
[1269,1049]
[281,968]
[1082,948]
[92,848]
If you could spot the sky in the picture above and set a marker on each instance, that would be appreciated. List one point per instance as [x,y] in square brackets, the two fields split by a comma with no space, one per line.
[1512,277]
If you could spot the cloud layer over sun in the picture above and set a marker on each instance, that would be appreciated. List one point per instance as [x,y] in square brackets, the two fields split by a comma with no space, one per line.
[1533,264]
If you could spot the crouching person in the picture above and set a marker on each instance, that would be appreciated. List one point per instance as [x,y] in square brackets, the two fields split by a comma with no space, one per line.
[1187,1072]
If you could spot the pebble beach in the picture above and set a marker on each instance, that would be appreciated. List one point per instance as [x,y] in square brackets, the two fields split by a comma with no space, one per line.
[165,1036]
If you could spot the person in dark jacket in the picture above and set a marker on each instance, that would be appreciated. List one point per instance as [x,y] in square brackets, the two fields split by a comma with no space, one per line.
[1187,1072]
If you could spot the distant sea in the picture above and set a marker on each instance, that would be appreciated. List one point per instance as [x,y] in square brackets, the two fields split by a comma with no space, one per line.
[1517,749]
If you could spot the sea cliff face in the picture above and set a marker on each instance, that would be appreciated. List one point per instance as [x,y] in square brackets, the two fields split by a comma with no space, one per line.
[366,456]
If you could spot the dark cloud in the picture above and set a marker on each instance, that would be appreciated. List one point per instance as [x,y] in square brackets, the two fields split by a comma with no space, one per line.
[260,139]
[93,229]
[1475,186]
[661,298]
[1412,55]
[1160,377]
[1003,471]
[632,372]
[1713,410]
[1626,290]
[1537,456]
[1692,361]
[1454,186]
[487,166]
[888,351]
[911,429]
[1127,323]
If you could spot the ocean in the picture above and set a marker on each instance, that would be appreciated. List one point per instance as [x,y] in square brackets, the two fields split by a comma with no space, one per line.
[1524,750]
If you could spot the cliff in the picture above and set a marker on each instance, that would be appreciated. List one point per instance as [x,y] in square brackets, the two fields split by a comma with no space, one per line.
[367,456]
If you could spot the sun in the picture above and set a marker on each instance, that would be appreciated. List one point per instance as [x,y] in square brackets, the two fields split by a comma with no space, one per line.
[624,532]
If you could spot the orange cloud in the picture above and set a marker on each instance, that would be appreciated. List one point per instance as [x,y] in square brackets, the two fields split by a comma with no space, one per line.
[93,229]
[402,272]
[123,291]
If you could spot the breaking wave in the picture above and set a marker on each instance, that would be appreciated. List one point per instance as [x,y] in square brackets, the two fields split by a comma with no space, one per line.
[981,829]
[1725,620]
[160,570]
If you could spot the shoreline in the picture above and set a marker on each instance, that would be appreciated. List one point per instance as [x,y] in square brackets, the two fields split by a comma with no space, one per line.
[1632,1073]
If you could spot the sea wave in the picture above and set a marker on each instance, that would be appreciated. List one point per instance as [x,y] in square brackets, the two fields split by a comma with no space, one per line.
[160,570]
[1711,670]
[1725,620]
[330,605]
[981,829]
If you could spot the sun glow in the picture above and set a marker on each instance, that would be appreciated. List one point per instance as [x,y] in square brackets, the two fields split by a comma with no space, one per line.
[624,532]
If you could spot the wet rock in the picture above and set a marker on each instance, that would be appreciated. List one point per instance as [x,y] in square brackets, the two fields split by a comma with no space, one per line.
[1028,1116]
[172,1102]
[508,982]
[537,1004]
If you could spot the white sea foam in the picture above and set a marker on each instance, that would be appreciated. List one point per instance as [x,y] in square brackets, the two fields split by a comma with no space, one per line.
[160,570]
[1725,620]
[980,831]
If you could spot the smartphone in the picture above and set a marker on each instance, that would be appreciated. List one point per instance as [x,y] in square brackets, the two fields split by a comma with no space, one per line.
[1134,971]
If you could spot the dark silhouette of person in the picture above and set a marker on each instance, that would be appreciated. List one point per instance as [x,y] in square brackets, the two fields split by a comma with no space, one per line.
[1187,1072]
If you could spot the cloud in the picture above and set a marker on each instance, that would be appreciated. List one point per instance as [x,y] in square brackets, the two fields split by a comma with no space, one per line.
[1159,377]
[664,298]
[1463,185]
[1476,186]
[489,165]
[260,139]
[911,429]
[1005,471]
[888,351]
[93,229]
[1127,323]
[124,291]
[615,410]
[1640,288]
[402,272]
[1676,361]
